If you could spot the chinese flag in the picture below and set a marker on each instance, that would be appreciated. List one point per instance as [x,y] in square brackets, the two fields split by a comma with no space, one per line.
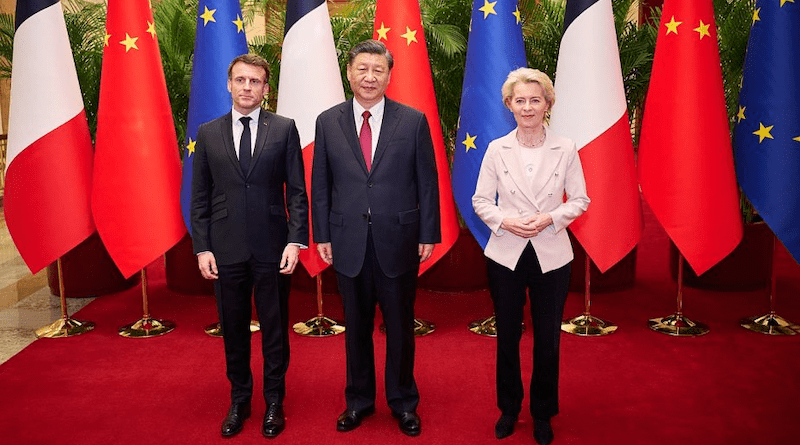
[685,157]
[137,172]
[398,25]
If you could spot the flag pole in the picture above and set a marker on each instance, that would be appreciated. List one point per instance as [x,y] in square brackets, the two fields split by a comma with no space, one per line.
[587,325]
[146,326]
[771,323]
[676,324]
[65,326]
[319,326]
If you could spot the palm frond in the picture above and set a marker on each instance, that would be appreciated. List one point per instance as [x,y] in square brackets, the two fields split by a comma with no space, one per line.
[7,29]
[175,27]
[733,19]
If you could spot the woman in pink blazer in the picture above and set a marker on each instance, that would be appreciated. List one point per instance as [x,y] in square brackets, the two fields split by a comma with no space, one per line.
[520,195]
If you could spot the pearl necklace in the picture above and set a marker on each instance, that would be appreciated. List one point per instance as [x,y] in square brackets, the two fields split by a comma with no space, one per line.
[535,144]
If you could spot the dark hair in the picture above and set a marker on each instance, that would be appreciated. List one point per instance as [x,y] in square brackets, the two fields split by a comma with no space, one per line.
[250,59]
[370,47]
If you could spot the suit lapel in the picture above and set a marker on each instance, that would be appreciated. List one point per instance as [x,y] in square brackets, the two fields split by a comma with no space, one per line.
[391,118]
[551,158]
[512,160]
[227,139]
[348,123]
[261,138]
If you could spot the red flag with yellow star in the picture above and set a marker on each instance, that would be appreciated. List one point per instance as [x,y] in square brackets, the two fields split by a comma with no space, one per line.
[137,172]
[685,156]
[398,24]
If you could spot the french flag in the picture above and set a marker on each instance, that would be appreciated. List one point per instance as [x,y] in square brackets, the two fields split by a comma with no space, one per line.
[591,110]
[49,161]
[310,83]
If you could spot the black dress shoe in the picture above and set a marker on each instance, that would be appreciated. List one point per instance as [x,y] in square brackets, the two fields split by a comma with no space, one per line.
[273,421]
[234,421]
[409,423]
[542,432]
[351,419]
[505,426]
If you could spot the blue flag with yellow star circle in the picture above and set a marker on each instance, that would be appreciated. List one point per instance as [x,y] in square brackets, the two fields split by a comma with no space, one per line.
[219,38]
[494,49]
[767,133]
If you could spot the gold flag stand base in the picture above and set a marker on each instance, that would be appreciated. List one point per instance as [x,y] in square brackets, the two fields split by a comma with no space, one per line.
[486,327]
[146,327]
[421,327]
[64,327]
[319,326]
[770,324]
[588,326]
[215,329]
[677,325]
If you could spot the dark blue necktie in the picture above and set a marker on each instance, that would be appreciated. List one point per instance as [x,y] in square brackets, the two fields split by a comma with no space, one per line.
[244,145]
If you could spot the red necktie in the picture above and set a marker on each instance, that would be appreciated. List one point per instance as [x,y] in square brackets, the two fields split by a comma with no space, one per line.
[365,138]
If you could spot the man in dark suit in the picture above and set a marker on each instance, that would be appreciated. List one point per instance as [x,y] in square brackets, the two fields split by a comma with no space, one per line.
[248,173]
[375,211]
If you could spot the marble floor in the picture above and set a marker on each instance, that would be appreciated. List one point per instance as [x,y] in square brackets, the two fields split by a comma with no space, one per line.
[26,303]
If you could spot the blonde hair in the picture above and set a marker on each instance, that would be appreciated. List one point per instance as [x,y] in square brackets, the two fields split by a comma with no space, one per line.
[528,75]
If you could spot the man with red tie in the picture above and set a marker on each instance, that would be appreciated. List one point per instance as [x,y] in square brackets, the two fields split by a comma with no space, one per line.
[375,211]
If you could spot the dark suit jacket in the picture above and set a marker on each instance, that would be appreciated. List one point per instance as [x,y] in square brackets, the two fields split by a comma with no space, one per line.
[400,194]
[236,215]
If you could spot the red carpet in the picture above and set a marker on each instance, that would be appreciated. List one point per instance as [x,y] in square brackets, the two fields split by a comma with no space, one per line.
[731,386]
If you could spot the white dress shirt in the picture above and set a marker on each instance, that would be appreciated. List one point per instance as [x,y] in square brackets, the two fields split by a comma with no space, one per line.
[238,128]
[375,120]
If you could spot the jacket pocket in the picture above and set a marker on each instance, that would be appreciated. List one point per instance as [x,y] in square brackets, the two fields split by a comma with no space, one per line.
[336,219]
[409,216]
[218,199]
[219,214]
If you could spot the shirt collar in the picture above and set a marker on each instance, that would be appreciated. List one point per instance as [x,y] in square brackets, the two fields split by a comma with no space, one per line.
[253,114]
[376,111]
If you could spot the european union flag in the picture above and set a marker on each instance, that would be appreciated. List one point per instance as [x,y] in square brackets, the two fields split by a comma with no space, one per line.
[767,133]
[219,38]
[495,48]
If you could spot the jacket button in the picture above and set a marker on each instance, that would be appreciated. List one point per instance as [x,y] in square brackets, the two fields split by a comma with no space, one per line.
[369,184]
[513,191]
